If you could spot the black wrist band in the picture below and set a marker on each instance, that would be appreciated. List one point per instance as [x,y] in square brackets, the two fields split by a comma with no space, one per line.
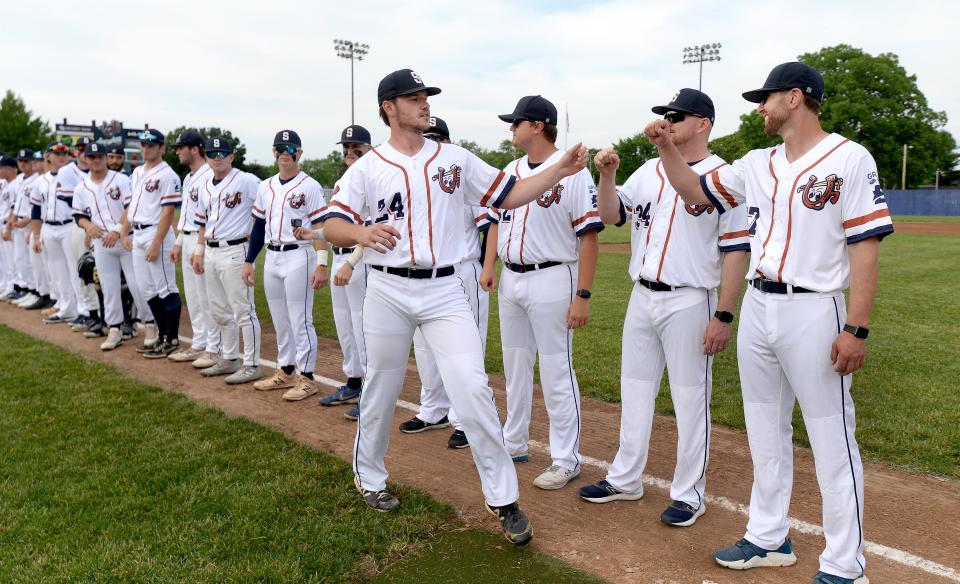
[860,332]
[723,316]
[582,293]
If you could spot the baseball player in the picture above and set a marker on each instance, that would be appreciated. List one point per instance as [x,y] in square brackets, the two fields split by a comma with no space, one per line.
[286,202]
[223,215]
[680,254]
[87,300]
[38,263]
[19,223]
[99,202]
[347,292]
[116,157]
[435,409]
[205,347]
[549,250]
[414,190]
[8,173]
[155,195]
[816,215]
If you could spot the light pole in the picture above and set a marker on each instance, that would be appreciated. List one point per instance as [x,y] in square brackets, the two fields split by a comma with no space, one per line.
[707,52]
[353,51]
[903,174]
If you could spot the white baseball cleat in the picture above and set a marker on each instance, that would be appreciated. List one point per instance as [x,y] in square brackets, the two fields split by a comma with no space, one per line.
[555,477]
[114,340]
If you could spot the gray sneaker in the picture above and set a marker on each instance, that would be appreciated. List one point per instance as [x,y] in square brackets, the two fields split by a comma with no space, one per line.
[244,375]
[381,501]
[222,367]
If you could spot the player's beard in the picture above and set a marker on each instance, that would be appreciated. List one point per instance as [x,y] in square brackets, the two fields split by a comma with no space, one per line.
[773,122]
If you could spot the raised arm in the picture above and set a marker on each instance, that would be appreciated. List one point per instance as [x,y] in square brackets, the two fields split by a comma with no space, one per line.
[608,203]
[528,189]
[684,180]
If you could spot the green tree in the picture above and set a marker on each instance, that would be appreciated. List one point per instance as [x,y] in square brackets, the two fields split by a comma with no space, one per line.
[498,158]
[19,128]
[633,152]
[239,150]
[326,170]
[749,136]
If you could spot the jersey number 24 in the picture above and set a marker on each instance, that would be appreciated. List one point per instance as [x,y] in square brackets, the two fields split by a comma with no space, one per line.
[395,208]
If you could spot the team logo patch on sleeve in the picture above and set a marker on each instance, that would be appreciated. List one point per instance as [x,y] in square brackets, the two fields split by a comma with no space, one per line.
[297,200]
[232,200]
[816,194]
[448,180]
[550,197]
[151,186]
[113,193]
[697,210]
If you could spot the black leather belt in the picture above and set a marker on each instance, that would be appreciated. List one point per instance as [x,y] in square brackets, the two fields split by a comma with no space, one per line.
[417,273]
[342,250]
[657,286]
[524,268]
[185,232]
[287,247]
[58,222]
[142,226]
[225,243]
[772,287]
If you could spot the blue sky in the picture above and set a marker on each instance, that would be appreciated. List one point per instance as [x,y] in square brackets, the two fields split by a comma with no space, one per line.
[258,67]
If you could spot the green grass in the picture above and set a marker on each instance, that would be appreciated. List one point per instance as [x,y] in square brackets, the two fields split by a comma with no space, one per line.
[117,481]
[928,218]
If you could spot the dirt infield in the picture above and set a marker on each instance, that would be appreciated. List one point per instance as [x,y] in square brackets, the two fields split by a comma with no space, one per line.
[913,520]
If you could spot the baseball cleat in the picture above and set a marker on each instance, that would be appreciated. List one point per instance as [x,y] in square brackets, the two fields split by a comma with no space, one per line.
[555,477]
[80,324]
[222,367]
[458,440]
[27,300]
[516,527]
[162,350]
[191,354]
[127,331]
[302,390]
[114,340]
[245,374]
[41,303]
[57,319]
[353,413]
[416,425]
[96,330]
[743,555]
[824,578]
[150,337]
[207,359]
[381,500]
[680,514]
[343,395]
[49,311]
[604,492]
[519,457]
[279,380]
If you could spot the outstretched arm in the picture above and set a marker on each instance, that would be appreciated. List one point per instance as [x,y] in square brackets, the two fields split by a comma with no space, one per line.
[528,189]
[684,180]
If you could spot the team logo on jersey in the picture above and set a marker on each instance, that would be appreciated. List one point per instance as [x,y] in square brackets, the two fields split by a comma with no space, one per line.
[113,193]
[816,194]
[195,194]
[448,180]
[697,210]
[297,200]
[232,200]
[550,197]
[151,185]
[87,212]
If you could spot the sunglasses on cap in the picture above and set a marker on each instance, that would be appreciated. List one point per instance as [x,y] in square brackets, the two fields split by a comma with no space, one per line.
[677,117]
[291,150]
[58,148]
[355,151]
[218,155]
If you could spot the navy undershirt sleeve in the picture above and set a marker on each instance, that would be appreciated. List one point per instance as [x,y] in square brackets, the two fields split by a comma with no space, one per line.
[35,212]
[256,239]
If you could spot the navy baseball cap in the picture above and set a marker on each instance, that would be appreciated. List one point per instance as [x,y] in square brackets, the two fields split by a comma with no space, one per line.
[189,138]
[402,82]
[437,126]
[82,142]
[287,138]
[354,135]
[7,161]
[151,136]
[115,149]
[218,144]
[689,101]
[794,75]
[95,149]
[25,154]
[534,108]
[38,155]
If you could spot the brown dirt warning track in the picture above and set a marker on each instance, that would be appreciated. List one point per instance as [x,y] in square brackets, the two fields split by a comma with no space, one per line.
[912,523]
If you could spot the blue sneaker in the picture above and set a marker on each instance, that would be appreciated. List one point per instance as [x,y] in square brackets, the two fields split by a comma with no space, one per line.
[519,457]
[680,514]
[343,395]
[604,492]
[353,413]
[824,578]
[743,555]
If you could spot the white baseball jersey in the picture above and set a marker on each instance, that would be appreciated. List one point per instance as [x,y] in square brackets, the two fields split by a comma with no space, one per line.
[803,214]
[6,198]
[548,228]
[102,203]
[22,202]
[299,198]
[192,184]
[54,194]
[225,207]
[421,196]
[151,190]
[672,242]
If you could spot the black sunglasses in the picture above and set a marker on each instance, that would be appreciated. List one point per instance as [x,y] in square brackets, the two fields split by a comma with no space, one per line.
[217,155]
[280,149]
[677,117]
[356,151]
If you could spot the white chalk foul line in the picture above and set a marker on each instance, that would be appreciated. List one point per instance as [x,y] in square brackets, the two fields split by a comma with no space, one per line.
[876,549]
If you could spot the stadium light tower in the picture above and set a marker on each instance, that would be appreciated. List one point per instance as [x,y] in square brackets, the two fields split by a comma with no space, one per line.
[355,52]
[707,52]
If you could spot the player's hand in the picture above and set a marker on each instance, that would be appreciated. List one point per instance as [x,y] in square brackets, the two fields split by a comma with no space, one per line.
[320,278]
[716,337]
[36,245]
[658,132]
[247,274]
[93,232]
[5,234]
[574,160]
[607,161]
[305,233]
[488,279]
[110,239]
[196,262]
[153,252]
[127,244]
[176,253]
[343,275]
[379,237]
[579,313]
[848,353]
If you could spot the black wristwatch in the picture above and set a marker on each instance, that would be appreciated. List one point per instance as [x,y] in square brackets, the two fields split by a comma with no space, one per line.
[860,332]
[723,316]
[582,293]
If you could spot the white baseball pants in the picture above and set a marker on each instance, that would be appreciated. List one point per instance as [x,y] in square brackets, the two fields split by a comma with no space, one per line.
[783,349]
[159,277]
[206,336]
[286,283]
[8,268]
[348,315]
[111,261]
[665,328]
[231,302]
[86,293]
[22,258]
[533,319]
[58,241]
[38,264]
[394,307]
[434,403]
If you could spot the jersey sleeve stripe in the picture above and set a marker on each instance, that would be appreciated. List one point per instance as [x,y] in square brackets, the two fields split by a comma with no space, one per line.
[856,221]
[586,217]
[591,226]
[715,177]
[317,212]
[709,194]
[347,213]
[734,234]
[736,247]
[481,218]
[484,202]
[878,232]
